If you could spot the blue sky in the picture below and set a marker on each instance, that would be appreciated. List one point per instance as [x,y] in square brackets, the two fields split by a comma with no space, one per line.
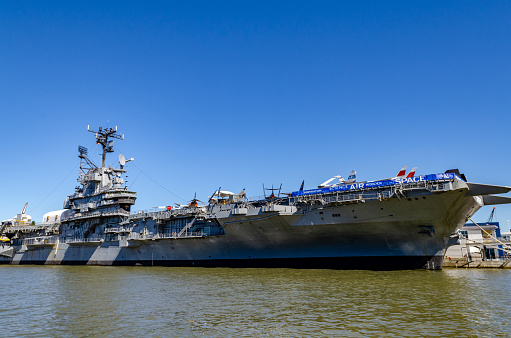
[237,94]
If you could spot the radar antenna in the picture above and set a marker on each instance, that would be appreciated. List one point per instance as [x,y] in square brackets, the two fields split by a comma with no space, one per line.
[102,137]
[83,156]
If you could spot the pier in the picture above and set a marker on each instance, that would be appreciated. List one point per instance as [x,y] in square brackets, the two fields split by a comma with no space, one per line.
[463,262]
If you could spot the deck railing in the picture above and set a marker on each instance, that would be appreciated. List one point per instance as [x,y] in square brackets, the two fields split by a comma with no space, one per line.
[372,193]
[40,241]
[82,240]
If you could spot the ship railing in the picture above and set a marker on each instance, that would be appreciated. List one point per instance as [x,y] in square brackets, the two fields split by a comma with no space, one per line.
[119,212]
[147,211]
[31,228]
[165,235]
[82,240]
[441,186]
[181,212]
[373,193]
[346,197]
[433,186]
[175,234]
[39,240]
[185,234]
[166,214]
[139,214]
[119,194]
[416,185]
[116,230]
[136,235]
[132,236]
[420,185]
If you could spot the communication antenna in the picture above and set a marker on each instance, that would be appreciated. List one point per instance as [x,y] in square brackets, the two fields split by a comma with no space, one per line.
[104,137]
[123,160]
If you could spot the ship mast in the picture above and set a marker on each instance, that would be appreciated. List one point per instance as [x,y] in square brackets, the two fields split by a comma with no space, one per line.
[102,136]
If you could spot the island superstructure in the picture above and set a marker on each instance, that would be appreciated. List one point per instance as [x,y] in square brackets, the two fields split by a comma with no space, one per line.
[403,222]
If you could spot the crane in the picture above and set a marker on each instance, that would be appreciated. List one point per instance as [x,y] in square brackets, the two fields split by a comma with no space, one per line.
[490,219]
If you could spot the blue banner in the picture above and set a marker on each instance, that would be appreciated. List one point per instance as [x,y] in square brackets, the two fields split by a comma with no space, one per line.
[377,184]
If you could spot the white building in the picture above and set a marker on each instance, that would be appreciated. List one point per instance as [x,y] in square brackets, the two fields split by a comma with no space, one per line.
[478,242]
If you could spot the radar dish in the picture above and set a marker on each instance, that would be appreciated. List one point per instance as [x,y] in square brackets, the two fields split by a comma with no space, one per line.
[122,160]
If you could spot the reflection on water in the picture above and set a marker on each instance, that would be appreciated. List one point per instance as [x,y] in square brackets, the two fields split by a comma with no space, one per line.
[159,301]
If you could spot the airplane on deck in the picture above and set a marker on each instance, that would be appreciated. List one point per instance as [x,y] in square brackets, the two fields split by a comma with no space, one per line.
[352,177]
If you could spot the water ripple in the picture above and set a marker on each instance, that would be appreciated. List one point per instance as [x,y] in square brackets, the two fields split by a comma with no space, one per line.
[67,301]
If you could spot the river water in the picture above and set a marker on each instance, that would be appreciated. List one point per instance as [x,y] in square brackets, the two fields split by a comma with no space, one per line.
[71,301]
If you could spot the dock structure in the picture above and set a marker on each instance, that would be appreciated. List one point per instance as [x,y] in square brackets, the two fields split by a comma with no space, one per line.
[480,246]
[463,262]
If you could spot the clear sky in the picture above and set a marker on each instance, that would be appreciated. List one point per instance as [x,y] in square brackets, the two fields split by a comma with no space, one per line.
[235,94]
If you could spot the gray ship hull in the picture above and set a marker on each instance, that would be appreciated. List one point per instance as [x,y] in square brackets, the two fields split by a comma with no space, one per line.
[392,234]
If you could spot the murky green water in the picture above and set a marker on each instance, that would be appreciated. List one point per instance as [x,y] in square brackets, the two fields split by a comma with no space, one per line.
[185,302]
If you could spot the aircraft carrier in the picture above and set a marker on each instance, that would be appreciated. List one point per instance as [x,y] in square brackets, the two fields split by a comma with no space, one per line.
[404,222]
